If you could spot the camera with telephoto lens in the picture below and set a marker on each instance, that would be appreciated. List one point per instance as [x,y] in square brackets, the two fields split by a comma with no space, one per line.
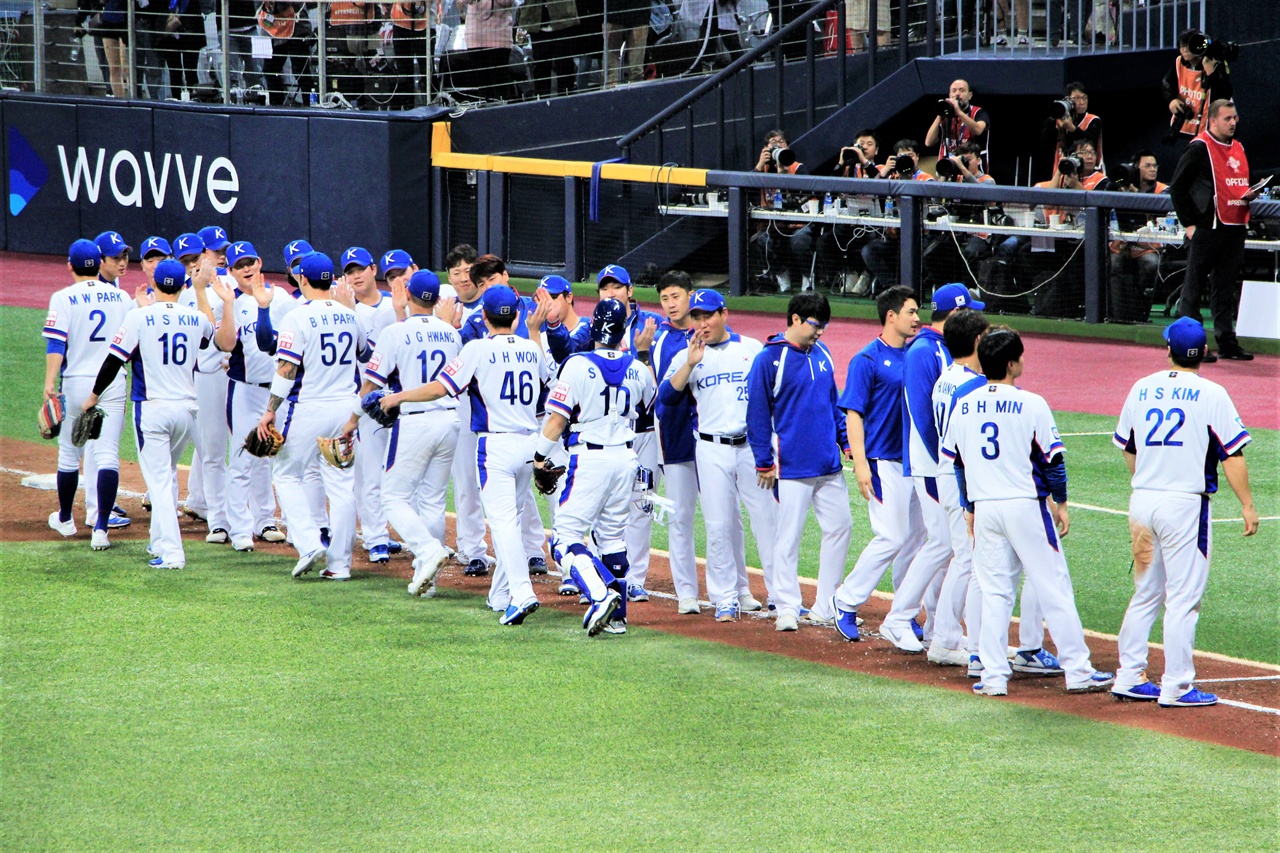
[946,169]
[904,164]
[1212,48]
[944,108]
[1058,110]
[783,157]
[1125,175]
[1069,166]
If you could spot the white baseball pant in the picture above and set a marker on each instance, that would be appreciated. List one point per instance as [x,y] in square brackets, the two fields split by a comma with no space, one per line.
[897,533]
[682,490]
[596,500]
[250,503]
[727,475]
[640,523]
[371,453]
[1172,540]
[302,424]
[419,458]
[207,482]
[504,468]
[1006,533]
[829,497]
[931,559]
[103,453]
[163,428]
[469,516]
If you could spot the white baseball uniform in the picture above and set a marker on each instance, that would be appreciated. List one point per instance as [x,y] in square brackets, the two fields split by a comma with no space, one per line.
[1180,426]
[468,514]
[1005,440]
[421,443]
[82,316]
[207,479]
[504,377]
[322,338]
[162,341]
[371,438]
[726,466]
[601,393]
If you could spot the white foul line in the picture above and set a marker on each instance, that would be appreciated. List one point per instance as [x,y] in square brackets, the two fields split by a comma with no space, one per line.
[1242,678]
[1080,434]
[1248,707]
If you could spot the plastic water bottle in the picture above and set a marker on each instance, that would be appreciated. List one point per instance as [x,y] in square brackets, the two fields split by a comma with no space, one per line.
[1171,222]
[777,199]
[828,206]
[315,99]
[889,210]
[1115,224]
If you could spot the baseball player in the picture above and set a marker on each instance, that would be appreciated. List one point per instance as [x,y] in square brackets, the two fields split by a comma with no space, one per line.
[614,282]
[714,368]
[77,328]
[675,428]
[791,400]
[318,347]
[420,448]
[259,308]
[161,339]
[1008,461]
[597,398]
[872,403]
[1176,426]
[504,373]
[153,251]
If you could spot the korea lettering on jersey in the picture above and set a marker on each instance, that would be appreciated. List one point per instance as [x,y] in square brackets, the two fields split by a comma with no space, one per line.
[719,384]
[955,379]
[602,393]
[504,377]
[1180,425]
[248,363]
[1013,432]
[164,337]
[323,339]
[82,317]
[412,353]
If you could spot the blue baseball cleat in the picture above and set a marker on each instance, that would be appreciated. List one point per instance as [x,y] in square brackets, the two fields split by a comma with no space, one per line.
[846,622]
[1193,698]
[514,615]
[378,554]
[1144,692]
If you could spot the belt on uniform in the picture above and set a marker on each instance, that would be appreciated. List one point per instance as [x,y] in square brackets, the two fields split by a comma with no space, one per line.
[731,440]
[589,446]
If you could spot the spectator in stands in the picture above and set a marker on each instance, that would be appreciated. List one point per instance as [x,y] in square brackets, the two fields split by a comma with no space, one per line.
[409,42]
[347,44]
[1021,23]
[881,255]
[108,23]
[1063,133]
[952,256]
[859,22]
[1191,85]
[554,33]
[964,122]
[627,33]
[1134,266]
[488,54]
[288,26]
[177,37]
[840,248]
[242,26]
[786,248]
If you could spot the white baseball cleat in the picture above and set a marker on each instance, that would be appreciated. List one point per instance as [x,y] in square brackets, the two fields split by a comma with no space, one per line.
[242,543]
[66,528]
[307,562]
[218,536]
[748,603]
[943,656]
[902,637]
[271,533]
[425,570]
[688,607]
[99,542]
[786,622]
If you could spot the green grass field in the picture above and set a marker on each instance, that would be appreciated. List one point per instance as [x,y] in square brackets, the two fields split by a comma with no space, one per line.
[228,707]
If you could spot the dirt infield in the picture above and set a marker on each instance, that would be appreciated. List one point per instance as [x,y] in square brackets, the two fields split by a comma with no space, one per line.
[24,519]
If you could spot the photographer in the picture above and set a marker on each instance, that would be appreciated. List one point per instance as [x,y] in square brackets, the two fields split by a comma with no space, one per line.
[288,26]
[785,248]
[944,257]
[840,247]
[1134,266]
[957,121]
[1199,77]
[1070,121]
[882,255]
[859,159]
[1211,195]
[1082,164]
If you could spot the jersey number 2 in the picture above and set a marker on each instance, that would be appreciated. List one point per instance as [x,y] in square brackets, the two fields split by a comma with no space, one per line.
[101,317]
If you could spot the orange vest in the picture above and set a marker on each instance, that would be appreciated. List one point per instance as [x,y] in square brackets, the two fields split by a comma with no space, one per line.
[345,13]
[278,24]
[402,16]
[1191,90]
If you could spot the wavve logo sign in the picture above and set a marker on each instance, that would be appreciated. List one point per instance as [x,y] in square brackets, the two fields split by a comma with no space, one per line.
[131,183]
[27,172]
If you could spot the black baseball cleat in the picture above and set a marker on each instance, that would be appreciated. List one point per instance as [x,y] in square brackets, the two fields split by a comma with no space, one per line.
[1235,352]
[476,568]
[1209,357]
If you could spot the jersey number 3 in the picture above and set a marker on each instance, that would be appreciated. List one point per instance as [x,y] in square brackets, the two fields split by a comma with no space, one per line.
[992,431]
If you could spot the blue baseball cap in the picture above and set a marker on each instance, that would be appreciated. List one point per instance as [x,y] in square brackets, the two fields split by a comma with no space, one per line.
[709,301]
[170,275]
[356,256]
[500,300]
[215,238]
[949,297]
[111,244]
[85,257]
[187,244]
[155,244]
[294,251]
[317,267]
[239,251]
[424,285]
[395,259]
[1186,338]
[615,272]
[555,285]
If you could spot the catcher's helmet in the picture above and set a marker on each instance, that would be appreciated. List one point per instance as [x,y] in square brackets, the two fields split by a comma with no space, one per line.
[608,322]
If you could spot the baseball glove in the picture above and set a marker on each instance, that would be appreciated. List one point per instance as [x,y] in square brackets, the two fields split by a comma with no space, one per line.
[51,416]
[88,426]
[339,451]
[547,478]
[256,445]
[372,405]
